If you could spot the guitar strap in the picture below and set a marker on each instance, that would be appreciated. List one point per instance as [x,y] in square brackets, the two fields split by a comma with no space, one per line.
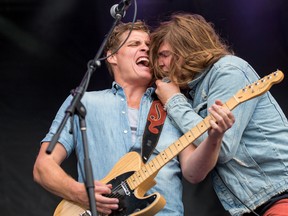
[153,128]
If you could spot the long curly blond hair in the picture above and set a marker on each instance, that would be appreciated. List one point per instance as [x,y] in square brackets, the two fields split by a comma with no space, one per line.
[195,46]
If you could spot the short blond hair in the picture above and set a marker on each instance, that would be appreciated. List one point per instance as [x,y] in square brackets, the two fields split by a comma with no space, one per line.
[114,40]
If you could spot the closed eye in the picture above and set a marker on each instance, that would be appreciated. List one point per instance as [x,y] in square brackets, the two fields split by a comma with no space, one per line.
[134,43]
[164,54]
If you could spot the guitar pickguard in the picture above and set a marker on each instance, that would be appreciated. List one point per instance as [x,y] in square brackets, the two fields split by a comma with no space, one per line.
[128,202]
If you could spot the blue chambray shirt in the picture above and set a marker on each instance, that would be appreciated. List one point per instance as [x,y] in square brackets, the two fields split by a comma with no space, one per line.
[253,161]
[109,138]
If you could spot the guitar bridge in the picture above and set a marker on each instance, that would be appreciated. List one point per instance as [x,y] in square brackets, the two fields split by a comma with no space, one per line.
[86,213]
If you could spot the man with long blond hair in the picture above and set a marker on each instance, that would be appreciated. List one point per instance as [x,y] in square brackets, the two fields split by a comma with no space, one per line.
[250,177]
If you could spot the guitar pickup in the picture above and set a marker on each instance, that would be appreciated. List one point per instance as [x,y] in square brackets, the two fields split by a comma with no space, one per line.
[125,188]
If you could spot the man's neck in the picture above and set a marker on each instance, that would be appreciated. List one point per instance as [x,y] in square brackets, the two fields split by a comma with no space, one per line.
[134,95]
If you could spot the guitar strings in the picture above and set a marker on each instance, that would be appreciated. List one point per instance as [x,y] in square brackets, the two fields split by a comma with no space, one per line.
[117,188]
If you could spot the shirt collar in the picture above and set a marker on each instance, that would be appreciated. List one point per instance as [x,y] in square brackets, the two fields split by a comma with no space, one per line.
[198,78]
[116,87]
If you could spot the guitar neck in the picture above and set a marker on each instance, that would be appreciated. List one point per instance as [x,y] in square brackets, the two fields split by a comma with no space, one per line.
[151,168]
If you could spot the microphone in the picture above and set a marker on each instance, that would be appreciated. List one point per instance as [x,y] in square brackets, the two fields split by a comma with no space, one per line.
[120,9]
[166,80]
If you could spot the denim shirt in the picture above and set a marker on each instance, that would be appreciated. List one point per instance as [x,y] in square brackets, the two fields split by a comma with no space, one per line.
[253,161]
[109,138]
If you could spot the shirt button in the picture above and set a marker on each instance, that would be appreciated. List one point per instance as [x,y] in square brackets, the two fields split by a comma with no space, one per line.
[125,131]
[123,112]
[122,99]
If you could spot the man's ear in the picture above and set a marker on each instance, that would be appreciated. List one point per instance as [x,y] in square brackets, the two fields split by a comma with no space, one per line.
[111,59]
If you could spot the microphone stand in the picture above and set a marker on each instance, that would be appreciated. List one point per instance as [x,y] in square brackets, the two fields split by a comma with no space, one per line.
[77,108]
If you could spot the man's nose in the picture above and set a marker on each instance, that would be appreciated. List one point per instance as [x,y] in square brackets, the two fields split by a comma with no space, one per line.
[161,63]
[145,48]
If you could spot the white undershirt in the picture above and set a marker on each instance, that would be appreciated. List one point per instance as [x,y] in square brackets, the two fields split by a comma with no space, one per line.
[133,120]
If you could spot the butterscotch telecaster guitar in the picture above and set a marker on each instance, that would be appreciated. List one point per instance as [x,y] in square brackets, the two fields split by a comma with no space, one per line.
[131,178]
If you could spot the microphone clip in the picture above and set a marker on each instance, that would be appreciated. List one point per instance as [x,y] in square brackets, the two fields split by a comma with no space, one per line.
[119,10]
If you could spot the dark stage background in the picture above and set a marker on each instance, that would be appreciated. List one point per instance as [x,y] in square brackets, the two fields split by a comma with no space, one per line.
[45,46]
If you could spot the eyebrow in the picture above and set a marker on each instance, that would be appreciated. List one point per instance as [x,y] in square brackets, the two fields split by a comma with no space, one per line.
[137,41]
[165,52]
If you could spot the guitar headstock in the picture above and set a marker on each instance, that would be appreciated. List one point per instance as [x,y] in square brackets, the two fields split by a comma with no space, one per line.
[259,87]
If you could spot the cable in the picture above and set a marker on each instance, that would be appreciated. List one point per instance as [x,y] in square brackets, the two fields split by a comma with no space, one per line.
[133,21]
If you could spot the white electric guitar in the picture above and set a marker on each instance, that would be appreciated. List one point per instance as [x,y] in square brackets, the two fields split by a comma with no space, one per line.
[131,178]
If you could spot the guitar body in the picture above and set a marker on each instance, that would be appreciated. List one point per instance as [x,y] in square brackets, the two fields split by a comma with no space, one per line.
[131,202]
